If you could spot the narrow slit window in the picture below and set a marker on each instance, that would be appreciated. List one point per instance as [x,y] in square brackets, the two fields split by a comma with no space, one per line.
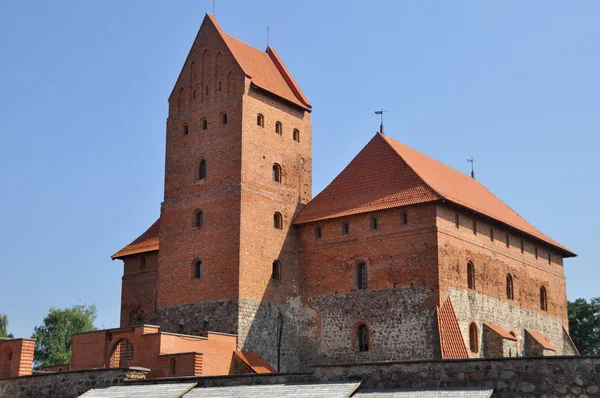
[277,173]
[510,293]
[474,227]
[143,262]
[363,337]
[457,220]
[492,234]
[199,219]
[549,257]
[473,338]
[507,240]
[204,124]
[536,253]
[198,269]
[276,273]
[202,170]
[318,232]
[361,276]
[219,86]
[374,223]
[186,129]
[470,275]
[345,228]
[260,120]
[522,247]
[224,118]
[279,128]
[277,221]
[296,135]
[403,217]
[543,299]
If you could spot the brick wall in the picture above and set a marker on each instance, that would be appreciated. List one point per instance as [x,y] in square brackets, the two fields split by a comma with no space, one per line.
[493,260]
[397,306]
[16,357]
[138,292]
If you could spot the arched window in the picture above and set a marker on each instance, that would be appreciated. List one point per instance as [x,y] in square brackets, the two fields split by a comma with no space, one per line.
[470,275]
[143,262]
[276,274]
[198,219]
[279,128]
[362,334]
[277,173]
[277,221]
[223,118]
[260,120]
[543,299]
[473,338]
[345,228]
[361,276]
[186,129]
[510,294]
[198,269]
[204,123]
[172,367]
[202,170]
[296,135]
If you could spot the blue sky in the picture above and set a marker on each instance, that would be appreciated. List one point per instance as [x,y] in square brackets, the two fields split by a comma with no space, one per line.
[84,88]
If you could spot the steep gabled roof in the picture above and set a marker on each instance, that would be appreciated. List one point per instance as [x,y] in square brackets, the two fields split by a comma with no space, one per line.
[146,242]
[500,332]
[264,68]
[387,174]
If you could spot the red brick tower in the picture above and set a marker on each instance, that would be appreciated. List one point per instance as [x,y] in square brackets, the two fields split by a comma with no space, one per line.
[238,167]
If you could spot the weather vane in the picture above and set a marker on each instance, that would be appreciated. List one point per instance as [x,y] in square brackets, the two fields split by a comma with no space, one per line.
[380,112]
[472,161]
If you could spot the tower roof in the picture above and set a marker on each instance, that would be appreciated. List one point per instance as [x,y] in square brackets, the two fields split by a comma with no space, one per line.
[146,242]
[264,68]
[387,174]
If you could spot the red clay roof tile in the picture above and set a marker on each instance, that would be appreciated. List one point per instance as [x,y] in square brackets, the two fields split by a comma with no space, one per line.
[387,173]
[501,332]
[541,339]
[264,68]
[146,242]
[451,339]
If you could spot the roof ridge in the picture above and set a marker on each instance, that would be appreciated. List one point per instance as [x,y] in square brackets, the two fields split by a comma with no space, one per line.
[244,43]
[548,239]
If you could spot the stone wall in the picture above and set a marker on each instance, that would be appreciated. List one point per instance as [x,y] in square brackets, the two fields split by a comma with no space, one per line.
[66,384]
[216,315]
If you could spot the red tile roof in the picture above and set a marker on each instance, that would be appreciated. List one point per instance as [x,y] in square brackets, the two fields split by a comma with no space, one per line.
[255,362]
[387,174]
[146,242]
[501,332]
[541,339]
[264,68]
[451,339]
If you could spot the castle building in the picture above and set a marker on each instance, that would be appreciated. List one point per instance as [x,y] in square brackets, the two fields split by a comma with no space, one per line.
[400,257]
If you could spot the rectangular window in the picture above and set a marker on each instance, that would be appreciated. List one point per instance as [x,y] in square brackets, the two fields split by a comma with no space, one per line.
[374,223]
[318,232]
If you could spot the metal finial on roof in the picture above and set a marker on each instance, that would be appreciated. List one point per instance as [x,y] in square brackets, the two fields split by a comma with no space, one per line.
[472,161]
[267,35]
[213,1]
[380,112]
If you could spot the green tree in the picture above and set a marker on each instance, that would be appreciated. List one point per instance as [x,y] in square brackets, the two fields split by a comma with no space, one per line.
[584,325]
[4,326]
[53,339]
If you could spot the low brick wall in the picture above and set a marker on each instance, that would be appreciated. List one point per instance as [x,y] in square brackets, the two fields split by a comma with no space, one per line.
[66,384]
